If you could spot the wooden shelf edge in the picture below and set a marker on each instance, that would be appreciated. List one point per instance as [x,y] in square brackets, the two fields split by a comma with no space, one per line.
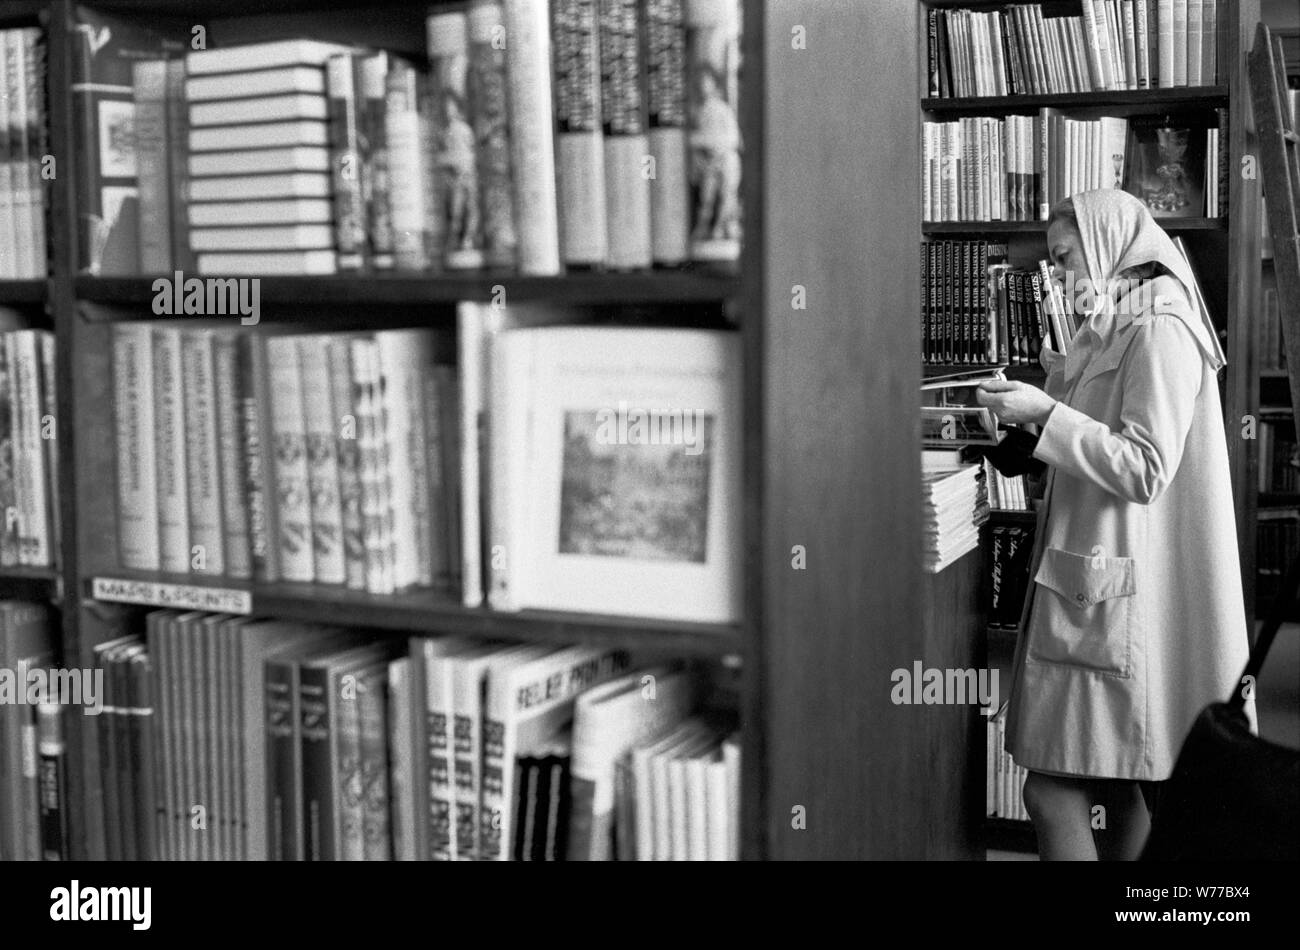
[667,286]
[1035,227]
[23,291]
[426,611]
[1136,101]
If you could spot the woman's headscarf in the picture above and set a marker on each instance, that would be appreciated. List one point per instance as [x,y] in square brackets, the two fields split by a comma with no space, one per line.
[1119,232]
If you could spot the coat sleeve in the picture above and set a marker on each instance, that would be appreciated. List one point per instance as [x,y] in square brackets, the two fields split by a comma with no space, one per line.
[1161,375]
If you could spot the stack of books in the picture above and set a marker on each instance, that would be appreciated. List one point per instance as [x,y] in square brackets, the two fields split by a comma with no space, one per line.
[24,167]
[1005,780]
[600,136]
[1114,44]
[29,463]
[955,504]
[320,744]
[33,818]
[258,154]
[1012,545]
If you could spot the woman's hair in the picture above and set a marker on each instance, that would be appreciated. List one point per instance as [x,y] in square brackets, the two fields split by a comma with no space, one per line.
[1064,211]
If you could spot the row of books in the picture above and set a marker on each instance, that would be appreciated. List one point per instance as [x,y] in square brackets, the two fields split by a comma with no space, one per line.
[24,162]
[33,814]
[954,506]
[282,457]
[1004,779]
[599,135]
[1006,492]
[556,467]
[1016,167]
[1114,44]
[1277,539]
[1011,546]
[977,309]
[233,738]
[1279,453]
[29,450]
[1272,346]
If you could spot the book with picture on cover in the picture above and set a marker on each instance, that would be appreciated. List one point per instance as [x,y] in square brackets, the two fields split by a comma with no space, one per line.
[951,416]
[614,469]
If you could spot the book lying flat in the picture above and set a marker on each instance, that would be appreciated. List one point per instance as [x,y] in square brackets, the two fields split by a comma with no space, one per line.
[232,213]
[262,109]
[261,161]
[268,82]
[302,132]
[288,237]
[272,55]
[252,187]
[268,262]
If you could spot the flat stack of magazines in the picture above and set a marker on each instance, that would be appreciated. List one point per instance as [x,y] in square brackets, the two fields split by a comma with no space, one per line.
[954,505]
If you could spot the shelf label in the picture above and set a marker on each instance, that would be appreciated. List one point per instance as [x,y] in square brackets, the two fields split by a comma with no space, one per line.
[226,600]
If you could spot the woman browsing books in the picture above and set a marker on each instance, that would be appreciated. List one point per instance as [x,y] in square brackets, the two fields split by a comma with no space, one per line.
[1135,619]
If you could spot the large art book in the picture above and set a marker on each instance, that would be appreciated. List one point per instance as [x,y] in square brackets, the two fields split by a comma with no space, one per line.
[951,415]
[615,472]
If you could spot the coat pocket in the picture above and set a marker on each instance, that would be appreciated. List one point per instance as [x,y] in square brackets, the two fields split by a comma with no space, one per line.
[1083,613]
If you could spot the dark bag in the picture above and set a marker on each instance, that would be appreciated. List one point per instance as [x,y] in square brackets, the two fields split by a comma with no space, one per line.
[1232,795]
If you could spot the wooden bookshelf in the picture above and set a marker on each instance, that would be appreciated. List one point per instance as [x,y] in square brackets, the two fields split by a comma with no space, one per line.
[1224,251]
[22,292]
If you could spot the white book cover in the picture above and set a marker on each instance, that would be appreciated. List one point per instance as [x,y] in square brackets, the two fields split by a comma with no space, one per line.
[133,414]
[527,705]
[650,809]
[718,801]
[1194,40]
[232,213]
[261,162]
[285,237]
[731,756]
[293,106]
[267,263]
[608,723]
[272,55]
[402,354]
[169,422]
[267,82]
[247,187]
[301,132]
[435,762]
[628,457]
[322,459]
[206,553]
[289,466]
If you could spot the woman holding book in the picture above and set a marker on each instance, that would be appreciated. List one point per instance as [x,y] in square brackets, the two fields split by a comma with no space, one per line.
[1135,619]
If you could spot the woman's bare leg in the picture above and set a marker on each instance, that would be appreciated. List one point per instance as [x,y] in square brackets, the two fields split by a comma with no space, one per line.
[1127,821]
[1059,808]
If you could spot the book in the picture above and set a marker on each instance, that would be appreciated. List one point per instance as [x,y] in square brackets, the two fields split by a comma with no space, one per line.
[291,107]
[625,456]
[153,165]
[133,388]
[579,142]
[27,641]
[488,91]
[623,116]
[713,83]
[264,82]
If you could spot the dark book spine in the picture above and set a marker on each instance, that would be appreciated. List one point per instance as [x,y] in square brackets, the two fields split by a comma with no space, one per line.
[136,672]
[283,831]
[178,133]
[375,789]
[925,303]
[491,119]
[371,87]
[945,67]
[1221,172]
[996,600]
[109,743]
[126,754]
[317,814]
[946,271]
[979,289]
[252,403]
[932,52]
[345,164]
[53,783]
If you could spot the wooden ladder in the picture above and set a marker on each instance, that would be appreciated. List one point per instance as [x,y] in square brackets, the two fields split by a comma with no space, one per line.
[1279,161]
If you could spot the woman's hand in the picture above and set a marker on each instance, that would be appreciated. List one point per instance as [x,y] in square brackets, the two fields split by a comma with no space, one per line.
[1015,402]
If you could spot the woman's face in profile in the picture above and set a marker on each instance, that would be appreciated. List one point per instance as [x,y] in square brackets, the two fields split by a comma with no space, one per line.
[1065,248]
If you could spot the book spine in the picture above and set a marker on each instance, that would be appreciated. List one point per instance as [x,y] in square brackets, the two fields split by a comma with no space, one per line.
[345,164]
[1209,42]
[349,463]
[322,460]
[447,385]
[289,433]
[258,482]
[1132,75]
[438,757]
[49,433]
[528,70]
[152,166]
[53,781]
[491,120]
[1194,37]
[10,267]
[1141,21]
[284,832]
[376,797]
[346,791]
[37,147]
[439,523]
[373,471]
[408,166]
[178,134]
[233,464]
[376,182]
[399,355]
[579,146]
[456,154]
[467,753]
[665,67]
[1178,40]
[623,119]
[203,464]
[713,64]
[9,543]
[20,150]
[169,433]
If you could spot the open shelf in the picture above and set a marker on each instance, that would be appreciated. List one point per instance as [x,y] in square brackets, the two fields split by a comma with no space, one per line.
[22,291]
[1005,834]
[648,287]
[1177,225]
[1122,102]
[436,612]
